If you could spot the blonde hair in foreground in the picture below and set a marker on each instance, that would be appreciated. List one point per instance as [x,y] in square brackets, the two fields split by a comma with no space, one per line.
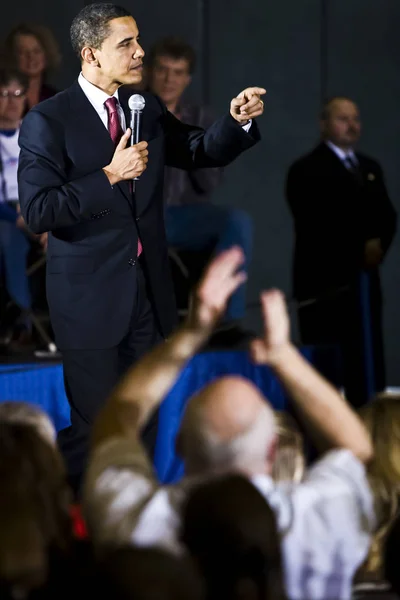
[289,463]
[382,419]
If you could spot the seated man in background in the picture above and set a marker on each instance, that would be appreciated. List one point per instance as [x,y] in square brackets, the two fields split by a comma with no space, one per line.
[14,235]
[325,521]
[192,222]
[344,224]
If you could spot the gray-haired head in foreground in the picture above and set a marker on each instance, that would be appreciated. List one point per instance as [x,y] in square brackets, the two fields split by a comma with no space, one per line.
[90,27]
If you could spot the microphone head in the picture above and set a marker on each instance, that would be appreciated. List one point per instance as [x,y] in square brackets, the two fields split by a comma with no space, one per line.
[136,102]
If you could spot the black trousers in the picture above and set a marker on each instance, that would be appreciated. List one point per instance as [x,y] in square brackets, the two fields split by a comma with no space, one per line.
[338,321]
[91,375]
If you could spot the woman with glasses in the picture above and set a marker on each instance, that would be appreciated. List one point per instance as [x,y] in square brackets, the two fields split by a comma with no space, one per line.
[14,235]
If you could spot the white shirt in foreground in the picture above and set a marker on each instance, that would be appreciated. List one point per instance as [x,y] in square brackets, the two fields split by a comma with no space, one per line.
[325,522]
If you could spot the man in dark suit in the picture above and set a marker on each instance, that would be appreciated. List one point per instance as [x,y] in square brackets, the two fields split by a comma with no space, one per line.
[108,282]
[344,225]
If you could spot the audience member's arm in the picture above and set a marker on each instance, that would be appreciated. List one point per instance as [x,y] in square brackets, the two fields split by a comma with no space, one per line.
[327,415]
[147,383]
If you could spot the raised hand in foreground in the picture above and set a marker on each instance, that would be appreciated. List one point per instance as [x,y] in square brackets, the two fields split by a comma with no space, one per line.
[210,298]
[276,336]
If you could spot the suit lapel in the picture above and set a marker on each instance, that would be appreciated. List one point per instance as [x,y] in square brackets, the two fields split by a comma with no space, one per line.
[335,162]
[87,120]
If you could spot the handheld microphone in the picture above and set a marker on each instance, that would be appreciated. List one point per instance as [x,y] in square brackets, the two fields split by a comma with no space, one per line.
[136,105]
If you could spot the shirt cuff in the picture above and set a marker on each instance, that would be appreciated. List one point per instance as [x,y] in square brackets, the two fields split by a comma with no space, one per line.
[247,126]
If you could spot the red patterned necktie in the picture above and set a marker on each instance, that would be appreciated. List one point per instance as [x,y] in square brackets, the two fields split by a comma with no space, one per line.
[114,124]
[115,129]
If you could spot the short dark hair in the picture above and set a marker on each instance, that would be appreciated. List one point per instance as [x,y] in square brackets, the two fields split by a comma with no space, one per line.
[7,75]
[327,105]
[173,47]
[90,27]
[233,541]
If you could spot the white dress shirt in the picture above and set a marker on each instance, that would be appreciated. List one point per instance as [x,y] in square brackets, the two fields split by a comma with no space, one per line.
[341,154]
[325,522]
[97,97]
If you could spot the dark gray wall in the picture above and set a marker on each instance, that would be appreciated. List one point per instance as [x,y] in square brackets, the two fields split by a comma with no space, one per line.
[301,52]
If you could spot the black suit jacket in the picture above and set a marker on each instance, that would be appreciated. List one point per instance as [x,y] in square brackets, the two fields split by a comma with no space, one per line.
[94,227]
[334,215]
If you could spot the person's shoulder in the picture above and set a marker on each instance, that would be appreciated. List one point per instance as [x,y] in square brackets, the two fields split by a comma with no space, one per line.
[151,101]
[339,478]
[47,91]
[368,161]
[338,462]
[154,103]
[54,106]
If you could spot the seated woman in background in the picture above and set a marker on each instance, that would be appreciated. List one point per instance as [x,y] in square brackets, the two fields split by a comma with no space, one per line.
[33,50]
[15,237]
[382,419]
[230,532]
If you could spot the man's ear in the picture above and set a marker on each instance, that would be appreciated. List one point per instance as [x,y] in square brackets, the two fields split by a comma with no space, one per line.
[88,56]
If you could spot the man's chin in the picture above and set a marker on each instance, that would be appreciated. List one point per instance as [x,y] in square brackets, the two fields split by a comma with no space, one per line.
[133,78]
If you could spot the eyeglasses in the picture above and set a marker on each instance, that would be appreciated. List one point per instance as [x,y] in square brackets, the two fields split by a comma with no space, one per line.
[14,94]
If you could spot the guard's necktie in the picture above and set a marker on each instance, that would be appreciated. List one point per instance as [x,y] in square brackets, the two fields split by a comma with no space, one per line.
[115,129]
[352,165]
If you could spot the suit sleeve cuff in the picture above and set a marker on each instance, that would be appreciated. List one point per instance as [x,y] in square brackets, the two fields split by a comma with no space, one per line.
[246,127]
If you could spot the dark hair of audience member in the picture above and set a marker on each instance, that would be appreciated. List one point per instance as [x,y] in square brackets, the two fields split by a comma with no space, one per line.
[34,507]
[172,47]
[148,573]
[230,531]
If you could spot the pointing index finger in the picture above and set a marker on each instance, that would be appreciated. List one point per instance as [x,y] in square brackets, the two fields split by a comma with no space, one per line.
[257,90]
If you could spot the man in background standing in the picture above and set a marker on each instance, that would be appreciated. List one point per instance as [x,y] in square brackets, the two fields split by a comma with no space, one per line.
[344,224]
